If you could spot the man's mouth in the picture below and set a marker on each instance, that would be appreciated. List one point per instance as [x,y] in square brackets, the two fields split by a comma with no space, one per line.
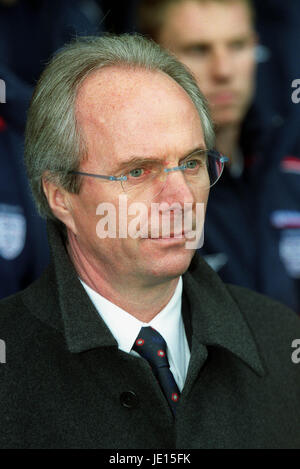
[222,98]
[178,235]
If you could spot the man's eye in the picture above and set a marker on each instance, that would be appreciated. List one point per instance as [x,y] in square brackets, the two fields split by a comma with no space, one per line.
[192,164]
[137,172]
[197,50]
[195,164]
[239,45]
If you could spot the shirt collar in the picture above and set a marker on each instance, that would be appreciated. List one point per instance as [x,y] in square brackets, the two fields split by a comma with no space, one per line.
[125,327]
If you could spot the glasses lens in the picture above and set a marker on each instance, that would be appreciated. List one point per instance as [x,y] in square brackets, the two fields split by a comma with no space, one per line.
[204,169]
[215,167]
[145,182]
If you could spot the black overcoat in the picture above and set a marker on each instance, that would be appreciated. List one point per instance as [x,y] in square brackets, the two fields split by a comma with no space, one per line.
[65,383]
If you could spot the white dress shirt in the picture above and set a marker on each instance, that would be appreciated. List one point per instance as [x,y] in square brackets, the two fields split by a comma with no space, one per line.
[168,322]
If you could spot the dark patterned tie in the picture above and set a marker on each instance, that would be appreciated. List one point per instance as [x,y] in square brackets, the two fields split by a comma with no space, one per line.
[152,346]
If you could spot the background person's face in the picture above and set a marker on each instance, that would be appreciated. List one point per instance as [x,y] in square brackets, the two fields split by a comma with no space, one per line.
[126,113]
[217,42]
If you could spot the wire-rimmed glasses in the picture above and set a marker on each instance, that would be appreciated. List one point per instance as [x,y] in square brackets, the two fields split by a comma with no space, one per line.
[146,179]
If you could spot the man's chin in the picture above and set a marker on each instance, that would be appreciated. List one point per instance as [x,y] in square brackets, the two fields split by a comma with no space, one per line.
[166,269]
[225,117]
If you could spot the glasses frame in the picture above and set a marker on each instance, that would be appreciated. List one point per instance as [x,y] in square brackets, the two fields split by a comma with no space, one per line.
[213,153]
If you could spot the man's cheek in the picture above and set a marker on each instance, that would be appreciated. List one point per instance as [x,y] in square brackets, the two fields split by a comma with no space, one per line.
[106,225]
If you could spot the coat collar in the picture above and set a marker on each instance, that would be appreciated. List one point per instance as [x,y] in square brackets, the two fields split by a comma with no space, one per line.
[216,318]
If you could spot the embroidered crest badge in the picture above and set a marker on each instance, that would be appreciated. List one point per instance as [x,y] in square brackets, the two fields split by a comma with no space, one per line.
[12,231]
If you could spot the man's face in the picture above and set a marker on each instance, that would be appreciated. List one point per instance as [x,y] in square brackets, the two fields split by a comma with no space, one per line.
[126,114]
[217,42]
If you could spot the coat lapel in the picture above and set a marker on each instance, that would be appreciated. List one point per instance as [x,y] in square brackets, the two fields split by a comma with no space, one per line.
[216,319]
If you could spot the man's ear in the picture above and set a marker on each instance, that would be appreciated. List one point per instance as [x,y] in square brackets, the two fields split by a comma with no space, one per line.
[59,202]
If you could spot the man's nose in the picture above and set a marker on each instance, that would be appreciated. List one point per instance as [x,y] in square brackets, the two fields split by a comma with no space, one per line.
[221,65]
[176,188]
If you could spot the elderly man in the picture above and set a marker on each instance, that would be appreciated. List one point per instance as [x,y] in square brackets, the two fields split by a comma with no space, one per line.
[249,239]
[133,341]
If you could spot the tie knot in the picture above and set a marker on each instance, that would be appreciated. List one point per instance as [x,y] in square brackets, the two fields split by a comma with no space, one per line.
[151,346]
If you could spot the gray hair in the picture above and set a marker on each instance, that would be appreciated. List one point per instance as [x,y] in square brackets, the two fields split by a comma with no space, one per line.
[54,144]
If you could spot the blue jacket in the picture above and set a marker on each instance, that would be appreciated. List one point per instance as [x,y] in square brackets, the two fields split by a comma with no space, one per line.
[252,230]
[24,249]
[29,33]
